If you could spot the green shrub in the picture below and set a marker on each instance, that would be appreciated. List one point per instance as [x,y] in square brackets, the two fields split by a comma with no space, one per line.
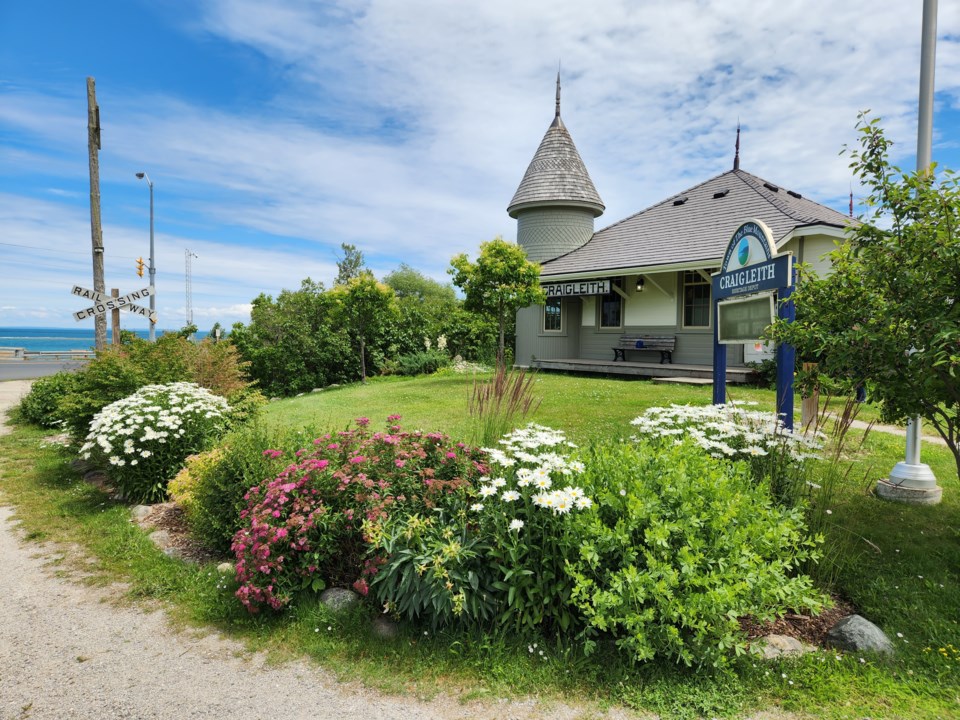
[734,431]
[311,525]
[436,570]
[678,548]
[109,378]
[142,440]
[211,486]
[425,362]
[499,560]
[41,405]
[118,372]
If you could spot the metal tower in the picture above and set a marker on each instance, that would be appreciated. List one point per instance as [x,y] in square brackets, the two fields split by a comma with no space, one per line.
[188,256]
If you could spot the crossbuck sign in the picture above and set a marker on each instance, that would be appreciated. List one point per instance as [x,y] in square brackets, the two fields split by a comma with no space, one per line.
[104,303]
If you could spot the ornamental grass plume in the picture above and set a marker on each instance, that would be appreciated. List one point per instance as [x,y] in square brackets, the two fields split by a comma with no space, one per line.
[498,404]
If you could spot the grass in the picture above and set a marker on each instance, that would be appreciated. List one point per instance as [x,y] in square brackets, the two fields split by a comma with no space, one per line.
[900,567]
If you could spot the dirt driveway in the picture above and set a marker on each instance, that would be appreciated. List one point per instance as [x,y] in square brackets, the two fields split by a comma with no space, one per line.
[68,651]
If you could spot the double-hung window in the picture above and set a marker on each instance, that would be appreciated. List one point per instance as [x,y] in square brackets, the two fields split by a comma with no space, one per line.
[696,300]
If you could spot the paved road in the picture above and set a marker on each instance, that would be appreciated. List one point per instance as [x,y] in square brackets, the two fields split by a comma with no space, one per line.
[32,369]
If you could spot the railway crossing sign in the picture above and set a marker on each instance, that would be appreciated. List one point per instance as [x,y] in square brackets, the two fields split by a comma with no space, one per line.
[105,303]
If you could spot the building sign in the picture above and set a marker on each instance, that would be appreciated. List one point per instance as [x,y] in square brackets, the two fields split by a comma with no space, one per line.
[751,264]
[750,267]
[744,320]
[768,275]
[571,289]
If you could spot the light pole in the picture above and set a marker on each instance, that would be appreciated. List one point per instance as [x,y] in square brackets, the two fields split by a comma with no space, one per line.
[153,269]
[911,480]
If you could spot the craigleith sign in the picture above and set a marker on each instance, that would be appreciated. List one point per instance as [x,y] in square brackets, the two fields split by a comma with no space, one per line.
[762,282]
[750,264]
[571,289]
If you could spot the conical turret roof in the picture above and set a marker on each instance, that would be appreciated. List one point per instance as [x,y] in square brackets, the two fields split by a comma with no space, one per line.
[556,176]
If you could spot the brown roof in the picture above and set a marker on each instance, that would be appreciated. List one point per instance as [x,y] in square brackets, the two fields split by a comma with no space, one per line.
[695,225]
[556,176]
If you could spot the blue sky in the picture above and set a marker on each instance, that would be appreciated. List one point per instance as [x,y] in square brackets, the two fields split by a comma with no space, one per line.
[274,131]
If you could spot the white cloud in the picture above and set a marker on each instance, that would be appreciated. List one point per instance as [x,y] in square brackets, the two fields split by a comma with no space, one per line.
[404,128]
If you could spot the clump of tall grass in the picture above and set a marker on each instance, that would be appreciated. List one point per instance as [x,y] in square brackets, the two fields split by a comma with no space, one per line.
[826,479]
[498,405]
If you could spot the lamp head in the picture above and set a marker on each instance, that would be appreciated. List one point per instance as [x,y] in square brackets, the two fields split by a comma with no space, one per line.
[139,176]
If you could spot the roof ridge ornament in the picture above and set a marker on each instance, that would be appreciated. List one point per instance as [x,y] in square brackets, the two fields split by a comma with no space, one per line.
[736,157]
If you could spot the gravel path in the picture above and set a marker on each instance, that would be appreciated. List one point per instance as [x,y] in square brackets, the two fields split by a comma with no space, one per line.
[66,651]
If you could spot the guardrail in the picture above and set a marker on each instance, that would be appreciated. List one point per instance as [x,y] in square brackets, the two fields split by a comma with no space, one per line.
[59,355]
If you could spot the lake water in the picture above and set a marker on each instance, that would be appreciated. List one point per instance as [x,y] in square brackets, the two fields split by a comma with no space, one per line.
[58,339]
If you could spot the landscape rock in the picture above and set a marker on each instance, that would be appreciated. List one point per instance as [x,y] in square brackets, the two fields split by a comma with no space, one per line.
[339,599]
[384,627]
[855,633]
[163,540]
[140,512]
[317,390]
[81,466]
[226,568]
[771,647]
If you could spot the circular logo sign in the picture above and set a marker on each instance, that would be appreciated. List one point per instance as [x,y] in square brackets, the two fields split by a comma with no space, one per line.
[743,250]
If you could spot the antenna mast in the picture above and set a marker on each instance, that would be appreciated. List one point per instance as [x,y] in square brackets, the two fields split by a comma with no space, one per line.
[188,256]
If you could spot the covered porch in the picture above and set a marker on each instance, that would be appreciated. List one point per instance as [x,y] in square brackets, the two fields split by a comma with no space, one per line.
[735,374]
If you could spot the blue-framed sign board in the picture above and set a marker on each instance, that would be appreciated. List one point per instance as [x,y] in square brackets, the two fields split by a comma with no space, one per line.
[753,281]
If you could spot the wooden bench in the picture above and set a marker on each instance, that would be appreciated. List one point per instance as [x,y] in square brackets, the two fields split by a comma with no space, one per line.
[664,343]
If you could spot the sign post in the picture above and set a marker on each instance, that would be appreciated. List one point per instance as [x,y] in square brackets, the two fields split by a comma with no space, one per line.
[751,276]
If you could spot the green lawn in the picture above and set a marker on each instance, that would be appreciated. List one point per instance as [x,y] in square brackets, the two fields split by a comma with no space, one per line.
[900,566]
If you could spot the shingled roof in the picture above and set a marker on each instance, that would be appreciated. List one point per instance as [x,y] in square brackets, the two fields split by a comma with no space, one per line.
[556,176]
[694,225]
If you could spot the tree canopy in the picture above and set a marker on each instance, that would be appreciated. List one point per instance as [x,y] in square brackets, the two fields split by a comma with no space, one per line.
[887,316]
[498,284]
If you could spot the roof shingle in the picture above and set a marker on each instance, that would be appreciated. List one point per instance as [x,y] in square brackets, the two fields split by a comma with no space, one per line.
[556,176]
[697,229]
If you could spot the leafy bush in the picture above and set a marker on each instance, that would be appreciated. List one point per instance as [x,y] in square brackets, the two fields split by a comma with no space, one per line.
[294,342]
[142,440]
[773,453]
[118,372]
[338,493]
[678,549]
[502,558]
[41,405]
[211,486]
[425,362]
[108,378]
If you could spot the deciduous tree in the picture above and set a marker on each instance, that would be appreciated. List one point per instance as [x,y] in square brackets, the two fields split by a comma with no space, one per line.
[498,284]
[888,315]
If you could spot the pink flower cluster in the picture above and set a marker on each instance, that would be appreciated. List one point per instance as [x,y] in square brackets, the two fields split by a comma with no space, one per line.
[308,522]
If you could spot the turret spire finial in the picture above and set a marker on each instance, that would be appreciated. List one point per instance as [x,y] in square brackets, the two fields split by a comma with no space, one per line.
[736,157]
[558,93]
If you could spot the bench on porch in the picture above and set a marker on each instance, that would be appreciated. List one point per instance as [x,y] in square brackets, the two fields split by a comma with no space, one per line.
[664,343]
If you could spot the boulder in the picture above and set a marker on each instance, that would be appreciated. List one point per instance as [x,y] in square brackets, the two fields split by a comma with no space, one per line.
[855,633]
[384,627]
[140,512]
[163,540]
[771,647]
[226,568]
[339,599]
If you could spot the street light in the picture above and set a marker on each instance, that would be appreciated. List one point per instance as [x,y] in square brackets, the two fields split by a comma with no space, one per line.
[153,269]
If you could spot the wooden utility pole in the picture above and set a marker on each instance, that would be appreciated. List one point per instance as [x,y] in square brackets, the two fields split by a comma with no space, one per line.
[115,317]
[96,231]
